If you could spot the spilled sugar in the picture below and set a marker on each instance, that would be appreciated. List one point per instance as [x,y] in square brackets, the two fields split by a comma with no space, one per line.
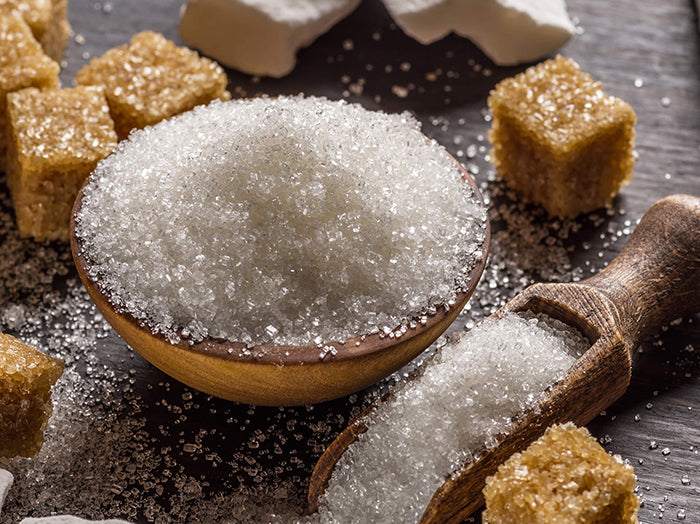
[469,394]
[287,221]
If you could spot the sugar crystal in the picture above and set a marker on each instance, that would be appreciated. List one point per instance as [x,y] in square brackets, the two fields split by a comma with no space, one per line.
[280,220]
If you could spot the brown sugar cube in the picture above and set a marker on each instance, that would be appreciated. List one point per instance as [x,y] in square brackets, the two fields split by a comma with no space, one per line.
[565,477]
[47,20]
[151,79]
[26,377]
[558,140]
[22,64]
[56,138]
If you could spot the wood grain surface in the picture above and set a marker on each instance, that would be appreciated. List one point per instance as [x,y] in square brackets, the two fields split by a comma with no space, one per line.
[644,51]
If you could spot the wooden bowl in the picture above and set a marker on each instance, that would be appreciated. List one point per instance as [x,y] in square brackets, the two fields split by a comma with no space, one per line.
[277,375]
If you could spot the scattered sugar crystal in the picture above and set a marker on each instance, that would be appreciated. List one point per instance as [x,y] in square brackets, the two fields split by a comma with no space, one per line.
[68,519]
[399,91]
[280,220]
[472,391]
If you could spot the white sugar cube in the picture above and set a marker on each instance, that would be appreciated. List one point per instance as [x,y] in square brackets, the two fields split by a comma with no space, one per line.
[260,37]
[508,31]
[6,480]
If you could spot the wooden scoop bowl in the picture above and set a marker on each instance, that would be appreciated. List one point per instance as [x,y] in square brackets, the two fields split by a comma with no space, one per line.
[278,375]
[654,279]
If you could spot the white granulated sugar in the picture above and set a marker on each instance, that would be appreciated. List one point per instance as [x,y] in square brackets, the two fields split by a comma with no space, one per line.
[473,390]
[285,221]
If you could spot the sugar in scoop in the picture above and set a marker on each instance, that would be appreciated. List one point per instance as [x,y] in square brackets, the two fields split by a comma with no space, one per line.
[286,221]
[473,390]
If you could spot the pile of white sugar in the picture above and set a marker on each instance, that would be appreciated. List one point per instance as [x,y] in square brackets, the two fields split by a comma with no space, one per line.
[471,392]
[288,221]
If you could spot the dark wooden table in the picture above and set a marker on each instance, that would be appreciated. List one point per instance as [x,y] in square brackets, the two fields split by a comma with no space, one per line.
[147,448]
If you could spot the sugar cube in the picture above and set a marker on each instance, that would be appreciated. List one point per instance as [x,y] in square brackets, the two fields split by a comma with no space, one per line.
[56,138]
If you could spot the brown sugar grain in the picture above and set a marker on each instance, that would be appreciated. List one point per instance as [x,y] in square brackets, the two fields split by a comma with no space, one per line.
[56,138]
[47,21]
[559,140]
[564,477]
[151,79]
[26,377]
[22,64]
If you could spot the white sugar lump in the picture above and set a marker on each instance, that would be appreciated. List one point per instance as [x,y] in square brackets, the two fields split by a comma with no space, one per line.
[68,519]
[509,32]
[430,426]
[288,221]
[259,37]
[6,480]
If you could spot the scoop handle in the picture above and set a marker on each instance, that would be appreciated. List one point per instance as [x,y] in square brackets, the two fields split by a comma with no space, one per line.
[656,276]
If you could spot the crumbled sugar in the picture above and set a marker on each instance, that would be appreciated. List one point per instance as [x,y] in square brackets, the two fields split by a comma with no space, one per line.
[287,220]
[472,391]
[134,469]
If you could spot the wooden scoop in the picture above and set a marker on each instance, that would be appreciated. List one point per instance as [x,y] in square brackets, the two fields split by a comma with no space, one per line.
[654,279]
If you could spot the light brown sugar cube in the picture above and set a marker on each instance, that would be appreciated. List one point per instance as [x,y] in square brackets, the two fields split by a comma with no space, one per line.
[22,64]
[564,477]
[151,79]
[559,140]
[56,139]
[26,377]
[47,20]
